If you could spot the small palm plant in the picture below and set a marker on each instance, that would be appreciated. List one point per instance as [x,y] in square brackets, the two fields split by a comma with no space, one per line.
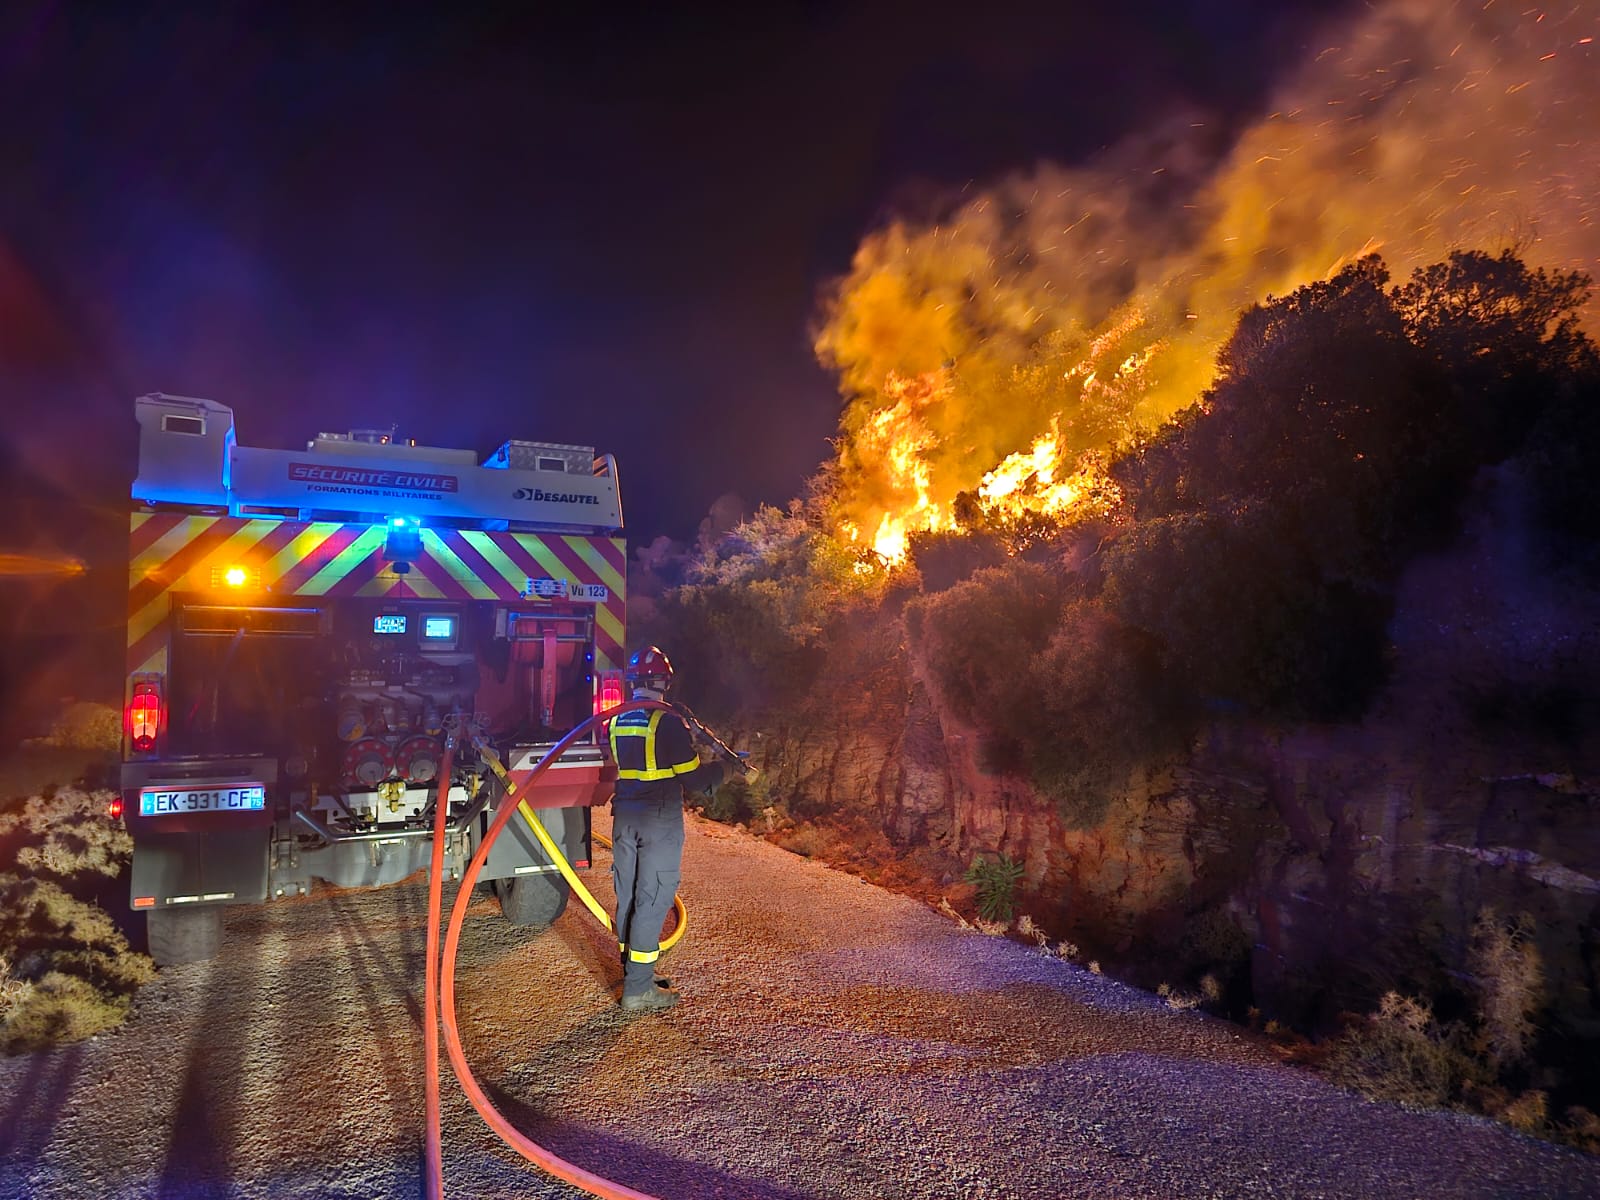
[997,886]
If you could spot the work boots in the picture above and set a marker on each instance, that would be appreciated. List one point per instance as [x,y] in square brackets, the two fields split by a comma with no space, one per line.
[654,1000]
[661,980]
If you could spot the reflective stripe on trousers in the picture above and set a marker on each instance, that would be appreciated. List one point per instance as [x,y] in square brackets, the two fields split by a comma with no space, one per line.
[646,867]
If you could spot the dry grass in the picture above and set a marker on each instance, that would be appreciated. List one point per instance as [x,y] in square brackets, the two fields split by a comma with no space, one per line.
[1403,1053]
[948,910]
[1582,1129]
[1509,977]
[1176,1000]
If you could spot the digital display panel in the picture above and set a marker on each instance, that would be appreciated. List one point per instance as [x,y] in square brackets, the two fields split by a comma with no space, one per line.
[389,623]
[439,628]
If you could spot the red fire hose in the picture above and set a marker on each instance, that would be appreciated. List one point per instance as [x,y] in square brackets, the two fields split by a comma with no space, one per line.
[440,989]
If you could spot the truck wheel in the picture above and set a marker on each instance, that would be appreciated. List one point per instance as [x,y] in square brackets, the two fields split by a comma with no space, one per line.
[532,899]
[184,935]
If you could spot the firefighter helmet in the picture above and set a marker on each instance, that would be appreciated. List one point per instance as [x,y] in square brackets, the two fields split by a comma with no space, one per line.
[650,668]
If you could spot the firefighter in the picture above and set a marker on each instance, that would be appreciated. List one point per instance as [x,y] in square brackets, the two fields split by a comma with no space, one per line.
[656,760]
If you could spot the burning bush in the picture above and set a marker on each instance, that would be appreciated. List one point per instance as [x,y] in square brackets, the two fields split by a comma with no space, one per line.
[1249,571]
[1275,516]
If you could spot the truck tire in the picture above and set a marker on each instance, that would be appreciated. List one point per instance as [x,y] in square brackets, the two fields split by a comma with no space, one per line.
[535,900]
[184,935]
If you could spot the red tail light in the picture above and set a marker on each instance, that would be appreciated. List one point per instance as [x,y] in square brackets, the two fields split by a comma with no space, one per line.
[144,715]
[608,692]
[114,809]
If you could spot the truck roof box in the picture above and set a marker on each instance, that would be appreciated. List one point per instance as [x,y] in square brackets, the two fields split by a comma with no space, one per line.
[188,455]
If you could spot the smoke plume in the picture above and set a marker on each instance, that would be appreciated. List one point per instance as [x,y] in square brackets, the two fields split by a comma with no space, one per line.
[1059,311]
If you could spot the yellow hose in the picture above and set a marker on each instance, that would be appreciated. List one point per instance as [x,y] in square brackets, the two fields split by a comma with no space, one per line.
[560,859]
[682,926]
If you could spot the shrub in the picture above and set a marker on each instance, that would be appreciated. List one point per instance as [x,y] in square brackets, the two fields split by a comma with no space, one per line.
[996,882]
[1243,614]
[68,972]
[977,637]
[79,972]
[1401,1053]
[1558,462]
[749,626]
[66,836]
[948,557]
[1509,978]
[86,726]
[58,1009]
[1098,704]
[737,800]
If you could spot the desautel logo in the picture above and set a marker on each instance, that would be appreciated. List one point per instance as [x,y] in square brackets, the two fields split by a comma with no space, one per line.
[555,497]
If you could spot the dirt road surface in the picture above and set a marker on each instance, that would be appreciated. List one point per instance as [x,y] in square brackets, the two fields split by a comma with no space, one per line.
[835,1040]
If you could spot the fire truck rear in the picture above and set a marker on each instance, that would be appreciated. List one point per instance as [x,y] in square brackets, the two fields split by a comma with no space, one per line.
[303,627]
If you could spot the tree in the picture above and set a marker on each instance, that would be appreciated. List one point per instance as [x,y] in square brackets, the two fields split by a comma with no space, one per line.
[978,637]
[1345,426]
[1504,335]
[1243,616]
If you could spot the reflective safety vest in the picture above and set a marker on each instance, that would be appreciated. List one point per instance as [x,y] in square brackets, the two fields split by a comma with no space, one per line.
[648,749]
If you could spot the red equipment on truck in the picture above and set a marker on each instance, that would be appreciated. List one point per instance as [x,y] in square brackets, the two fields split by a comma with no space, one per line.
[302,625]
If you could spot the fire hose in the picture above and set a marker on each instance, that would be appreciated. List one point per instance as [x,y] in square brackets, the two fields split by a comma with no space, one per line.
[440,975]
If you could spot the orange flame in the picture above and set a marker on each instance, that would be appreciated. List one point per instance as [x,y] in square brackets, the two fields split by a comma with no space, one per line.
[1006,351]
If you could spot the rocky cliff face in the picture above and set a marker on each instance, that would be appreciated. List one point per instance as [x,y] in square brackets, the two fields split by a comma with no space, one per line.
[1309,869]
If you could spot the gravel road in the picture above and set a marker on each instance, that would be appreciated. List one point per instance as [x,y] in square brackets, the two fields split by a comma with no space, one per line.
[835,1040]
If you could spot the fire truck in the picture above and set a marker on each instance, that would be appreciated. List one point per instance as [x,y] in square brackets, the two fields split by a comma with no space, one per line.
[305,626]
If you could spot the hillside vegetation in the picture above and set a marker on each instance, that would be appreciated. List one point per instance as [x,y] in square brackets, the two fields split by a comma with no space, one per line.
[1342,599]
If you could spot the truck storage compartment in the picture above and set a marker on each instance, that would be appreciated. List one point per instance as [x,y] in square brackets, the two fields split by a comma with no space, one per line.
[244,680]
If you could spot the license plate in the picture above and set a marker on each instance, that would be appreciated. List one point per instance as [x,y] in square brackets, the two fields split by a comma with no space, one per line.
[157,802]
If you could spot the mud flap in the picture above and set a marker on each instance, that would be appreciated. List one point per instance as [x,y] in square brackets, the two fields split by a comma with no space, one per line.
[201,868]
[517,852]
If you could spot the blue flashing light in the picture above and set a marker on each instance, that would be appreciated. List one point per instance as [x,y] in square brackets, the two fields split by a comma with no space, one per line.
[404,540]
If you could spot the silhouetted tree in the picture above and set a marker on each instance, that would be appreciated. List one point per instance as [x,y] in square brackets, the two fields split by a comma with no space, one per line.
[1345,425]
[1504,334]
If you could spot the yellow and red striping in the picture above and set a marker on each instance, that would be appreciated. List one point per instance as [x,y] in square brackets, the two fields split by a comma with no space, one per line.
[178,552]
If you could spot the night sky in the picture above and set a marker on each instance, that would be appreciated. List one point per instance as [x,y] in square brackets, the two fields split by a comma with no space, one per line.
[562,223]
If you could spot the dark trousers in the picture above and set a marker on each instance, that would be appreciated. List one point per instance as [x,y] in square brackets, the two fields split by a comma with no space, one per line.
[646,865]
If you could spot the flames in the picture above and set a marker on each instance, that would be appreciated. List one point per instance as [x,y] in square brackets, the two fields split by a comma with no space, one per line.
[994,361]
[1033,481]
[898,439]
